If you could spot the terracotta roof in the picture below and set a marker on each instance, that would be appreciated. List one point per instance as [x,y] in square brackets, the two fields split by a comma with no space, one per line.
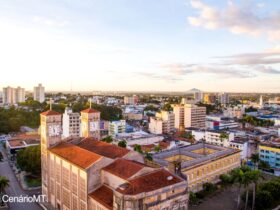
[90,110]
[16,143]
[75,154]
[149,182]
[50,112]
[103,148]
[164,144]
[24,136]
[124,168]
[103,195]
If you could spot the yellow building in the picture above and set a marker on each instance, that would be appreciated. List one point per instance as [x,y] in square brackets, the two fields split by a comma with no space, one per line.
[199,163]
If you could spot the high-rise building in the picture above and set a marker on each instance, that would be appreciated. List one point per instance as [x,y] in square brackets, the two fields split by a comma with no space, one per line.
[13,95]
[39,93]
[179,116]
[261,102]
[116,127]
[198,96]
[71,123]
[194,116]
[131,100]
[163,122]
[224,98]
[209,98]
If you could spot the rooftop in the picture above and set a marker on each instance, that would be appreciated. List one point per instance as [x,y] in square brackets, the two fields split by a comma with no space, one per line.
[75,154]
[50,112]
[103,195]
[103,148]
[193,155]
[90,110]
[124,168]
[149,182]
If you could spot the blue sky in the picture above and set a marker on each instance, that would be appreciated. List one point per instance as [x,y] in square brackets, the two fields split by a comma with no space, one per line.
[163,45]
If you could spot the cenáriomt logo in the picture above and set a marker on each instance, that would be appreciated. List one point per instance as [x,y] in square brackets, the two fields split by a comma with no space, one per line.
[23,199]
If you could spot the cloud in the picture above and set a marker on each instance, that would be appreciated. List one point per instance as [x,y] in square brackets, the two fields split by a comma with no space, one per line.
[238,19]
[50,22]
[267,70]
[270,56]
[165,77]
[182,69]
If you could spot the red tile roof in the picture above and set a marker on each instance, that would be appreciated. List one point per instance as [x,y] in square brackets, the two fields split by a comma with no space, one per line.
[90,110]
[149,182]
[103,195]
[103,148]
[75,154]
[124,168]
[50,112]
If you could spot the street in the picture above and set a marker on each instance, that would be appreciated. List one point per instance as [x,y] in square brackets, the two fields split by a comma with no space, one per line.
[14,189]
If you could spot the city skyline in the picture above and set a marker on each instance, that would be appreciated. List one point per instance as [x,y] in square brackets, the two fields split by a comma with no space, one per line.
[141,45]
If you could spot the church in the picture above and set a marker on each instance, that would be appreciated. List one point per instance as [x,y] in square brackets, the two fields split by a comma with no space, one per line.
[87,174]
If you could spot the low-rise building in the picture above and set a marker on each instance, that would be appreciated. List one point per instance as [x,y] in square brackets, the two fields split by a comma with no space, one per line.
[116,127]
[241,144]
[199,163]
[270,153]
[220,138]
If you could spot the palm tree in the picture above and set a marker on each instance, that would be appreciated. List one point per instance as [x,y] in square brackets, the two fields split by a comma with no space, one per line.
[246,182]
[237,175]
[4,183]
[255,176]
[255,159]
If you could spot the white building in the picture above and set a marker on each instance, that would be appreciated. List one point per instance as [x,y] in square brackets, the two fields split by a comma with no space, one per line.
[194,116]
[241,144]
[214,137]
[116,127]
[224,98]
[13,95]
[163,122]
[179,114]
[39,93]
[234,112]
[71,123]
[139,137]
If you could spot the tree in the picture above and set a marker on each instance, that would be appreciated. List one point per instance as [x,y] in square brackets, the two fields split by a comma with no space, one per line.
[223,136]
[4,183]
[193,198]
[264,165]
[137,148]
[264,199]
[246,182]
[122,143]
[29,159]
[157,148]
[237,176]
[108,139]
[167,107]
[255,160]
[255,176]
[149,156]
[226,179]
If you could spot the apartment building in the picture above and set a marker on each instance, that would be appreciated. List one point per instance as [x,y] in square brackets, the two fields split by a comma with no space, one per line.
[179,116]
[219,137]
[13,95]
[224,98]
[87,174]
[39,93]
[199,163]
[270,153]
[209,98]
[116,127]
[163,122]
[71,123]
[194,116]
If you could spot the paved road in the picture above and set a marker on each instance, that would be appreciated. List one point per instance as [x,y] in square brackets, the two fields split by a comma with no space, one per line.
[14,189]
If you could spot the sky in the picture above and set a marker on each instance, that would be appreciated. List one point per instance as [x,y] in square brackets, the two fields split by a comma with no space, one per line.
[141,45]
